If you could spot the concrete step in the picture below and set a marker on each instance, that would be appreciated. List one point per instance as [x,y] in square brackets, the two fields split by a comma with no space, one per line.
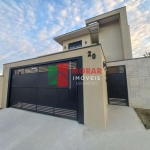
[116,101]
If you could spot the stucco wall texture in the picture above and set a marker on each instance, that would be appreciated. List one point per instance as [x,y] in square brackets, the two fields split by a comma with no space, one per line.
[110,38]
[138,81]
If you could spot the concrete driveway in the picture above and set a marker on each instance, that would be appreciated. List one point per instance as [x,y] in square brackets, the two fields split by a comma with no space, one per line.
[23,130]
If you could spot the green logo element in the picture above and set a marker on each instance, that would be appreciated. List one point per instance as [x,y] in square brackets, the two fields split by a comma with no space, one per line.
[52,75]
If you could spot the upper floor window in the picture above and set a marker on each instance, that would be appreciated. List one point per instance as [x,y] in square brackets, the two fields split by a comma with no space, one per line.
[74,45]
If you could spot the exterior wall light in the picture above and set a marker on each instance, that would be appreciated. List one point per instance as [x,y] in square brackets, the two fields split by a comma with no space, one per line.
[104,65]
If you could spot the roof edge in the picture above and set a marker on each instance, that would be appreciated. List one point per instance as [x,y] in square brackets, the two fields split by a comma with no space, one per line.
[105,13]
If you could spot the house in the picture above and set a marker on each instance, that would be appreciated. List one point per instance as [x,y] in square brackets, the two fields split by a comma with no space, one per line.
[95,68]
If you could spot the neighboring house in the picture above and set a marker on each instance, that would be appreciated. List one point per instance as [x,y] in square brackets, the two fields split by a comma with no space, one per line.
[49,84]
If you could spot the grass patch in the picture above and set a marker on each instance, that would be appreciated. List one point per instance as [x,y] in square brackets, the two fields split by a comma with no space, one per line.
[144,115]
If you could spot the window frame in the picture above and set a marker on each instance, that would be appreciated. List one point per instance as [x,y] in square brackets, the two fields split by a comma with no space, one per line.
[74,45]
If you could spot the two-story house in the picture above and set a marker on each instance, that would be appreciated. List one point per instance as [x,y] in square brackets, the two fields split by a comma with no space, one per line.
[95,68]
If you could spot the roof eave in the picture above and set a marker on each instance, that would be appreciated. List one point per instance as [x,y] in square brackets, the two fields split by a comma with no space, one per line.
[77,33]
[105,15]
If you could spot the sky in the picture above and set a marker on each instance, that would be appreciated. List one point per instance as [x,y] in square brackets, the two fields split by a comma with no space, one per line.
[27,27]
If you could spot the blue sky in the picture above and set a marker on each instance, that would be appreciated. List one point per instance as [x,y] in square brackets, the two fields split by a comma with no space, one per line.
[27,27]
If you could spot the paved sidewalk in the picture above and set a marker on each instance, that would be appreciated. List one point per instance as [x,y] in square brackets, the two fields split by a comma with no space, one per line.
[23,130]
[123,119]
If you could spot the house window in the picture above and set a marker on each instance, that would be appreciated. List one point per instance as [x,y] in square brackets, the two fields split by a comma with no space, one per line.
[74,45]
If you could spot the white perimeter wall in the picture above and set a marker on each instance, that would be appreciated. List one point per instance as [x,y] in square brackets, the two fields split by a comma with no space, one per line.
[138,81]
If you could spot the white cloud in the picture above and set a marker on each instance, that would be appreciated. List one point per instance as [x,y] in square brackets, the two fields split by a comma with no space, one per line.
[51,8]
[6,55]
[43,34]
[31,15]
[110,4]
[61,21]
[98,7]
[77,19]
[63,13]
[139,27]
[55,29]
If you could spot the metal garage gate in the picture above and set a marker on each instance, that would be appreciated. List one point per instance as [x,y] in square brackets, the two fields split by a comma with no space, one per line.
[47,88]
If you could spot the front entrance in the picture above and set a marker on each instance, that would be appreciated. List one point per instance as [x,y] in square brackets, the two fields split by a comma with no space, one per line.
[47,88]
[117,86]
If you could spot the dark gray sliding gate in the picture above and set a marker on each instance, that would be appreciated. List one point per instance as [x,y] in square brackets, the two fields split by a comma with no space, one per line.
[47,88]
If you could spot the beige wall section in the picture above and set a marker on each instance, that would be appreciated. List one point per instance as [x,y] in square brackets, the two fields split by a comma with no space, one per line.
[84,38]
[104,89]
[110,39]
[125,34]
[93,96]
[92,99]
[1,89]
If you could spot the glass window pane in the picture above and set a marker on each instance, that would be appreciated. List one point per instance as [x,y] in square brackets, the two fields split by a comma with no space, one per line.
[121,69]
[75,45]
[31,70]
[78,46]
[72,47]
[73,64]
[73,73]
[19,71]
[43,68]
